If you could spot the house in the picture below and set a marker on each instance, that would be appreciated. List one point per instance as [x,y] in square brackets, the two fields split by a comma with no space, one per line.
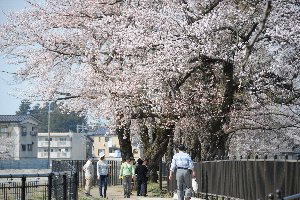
[108,143]
[63,146]
[22,130]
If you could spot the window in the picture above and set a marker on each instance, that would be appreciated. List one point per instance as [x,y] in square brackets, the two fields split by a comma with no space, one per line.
[62,139]
[101,151]
[23,146]
[113,150]
[51,150]
[3,129]
[29,147]
[33,131]
[106,139]
[23,131]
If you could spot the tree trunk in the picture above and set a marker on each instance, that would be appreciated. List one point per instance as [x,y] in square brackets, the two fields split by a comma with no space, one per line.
[155,147]
[123,133]
[215,142]
[195,151]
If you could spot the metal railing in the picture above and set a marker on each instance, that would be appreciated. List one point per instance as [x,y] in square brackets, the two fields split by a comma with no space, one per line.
[246,178]
[57,185]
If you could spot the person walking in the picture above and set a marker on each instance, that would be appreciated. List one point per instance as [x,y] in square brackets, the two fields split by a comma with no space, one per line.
[184,167]
[127,174]
[88,169]
[145,163]
[141,177]
[102,174]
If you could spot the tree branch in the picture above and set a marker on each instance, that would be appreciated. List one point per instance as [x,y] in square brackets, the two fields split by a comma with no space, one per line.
[262,24]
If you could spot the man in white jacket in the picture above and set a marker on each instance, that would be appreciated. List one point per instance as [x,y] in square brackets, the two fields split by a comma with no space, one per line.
[88,169]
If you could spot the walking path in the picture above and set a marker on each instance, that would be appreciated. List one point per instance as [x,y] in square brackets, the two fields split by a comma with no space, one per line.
[116,193]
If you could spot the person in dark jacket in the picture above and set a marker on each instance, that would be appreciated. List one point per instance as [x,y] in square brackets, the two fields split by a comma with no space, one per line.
[141,177]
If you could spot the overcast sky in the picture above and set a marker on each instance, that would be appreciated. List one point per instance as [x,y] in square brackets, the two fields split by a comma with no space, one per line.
[8,103]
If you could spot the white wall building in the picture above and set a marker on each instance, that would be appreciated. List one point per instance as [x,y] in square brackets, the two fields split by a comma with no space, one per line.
[63,146]
[22,129]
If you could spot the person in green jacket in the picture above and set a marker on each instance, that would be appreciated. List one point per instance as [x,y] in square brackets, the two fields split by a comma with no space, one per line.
[127,174]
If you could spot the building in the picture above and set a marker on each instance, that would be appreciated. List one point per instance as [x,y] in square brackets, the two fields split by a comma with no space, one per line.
[108,143]
[63,146]
[22,130]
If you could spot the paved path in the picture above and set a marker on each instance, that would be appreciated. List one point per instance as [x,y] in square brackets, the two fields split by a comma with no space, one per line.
[116,193]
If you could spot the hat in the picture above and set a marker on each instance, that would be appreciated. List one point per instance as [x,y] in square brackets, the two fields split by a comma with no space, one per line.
[102,155]
[140,161]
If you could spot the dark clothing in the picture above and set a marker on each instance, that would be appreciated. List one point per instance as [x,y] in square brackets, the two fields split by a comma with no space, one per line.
[141,177]
[141,172]
[102,183]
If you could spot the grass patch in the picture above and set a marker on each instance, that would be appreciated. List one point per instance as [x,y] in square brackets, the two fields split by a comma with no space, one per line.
[154,190]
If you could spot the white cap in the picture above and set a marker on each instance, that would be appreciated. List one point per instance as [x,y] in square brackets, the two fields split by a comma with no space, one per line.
[102,155]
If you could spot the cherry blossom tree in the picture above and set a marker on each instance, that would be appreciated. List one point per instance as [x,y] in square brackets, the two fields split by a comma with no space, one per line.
[200,66]
[6,147]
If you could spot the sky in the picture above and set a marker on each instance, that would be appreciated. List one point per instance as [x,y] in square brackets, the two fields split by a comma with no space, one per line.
[9,104]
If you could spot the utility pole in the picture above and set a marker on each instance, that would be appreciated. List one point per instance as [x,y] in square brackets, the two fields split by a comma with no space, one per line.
[66,96]
[81,129]
[49,121]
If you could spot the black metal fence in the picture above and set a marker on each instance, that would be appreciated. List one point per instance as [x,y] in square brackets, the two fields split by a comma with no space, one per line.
[247,179]
[77,165]
[60,186]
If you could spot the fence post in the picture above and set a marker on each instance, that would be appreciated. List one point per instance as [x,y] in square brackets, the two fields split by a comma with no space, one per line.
[49,186]
[160,175]
[75,185]
[23,189]
[65,186]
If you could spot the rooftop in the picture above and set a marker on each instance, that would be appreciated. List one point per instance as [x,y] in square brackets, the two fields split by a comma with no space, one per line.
[16,118]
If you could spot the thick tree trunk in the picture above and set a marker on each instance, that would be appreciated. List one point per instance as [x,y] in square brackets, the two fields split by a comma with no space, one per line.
[123,133]
[215,142]
[156,147]
[195,150]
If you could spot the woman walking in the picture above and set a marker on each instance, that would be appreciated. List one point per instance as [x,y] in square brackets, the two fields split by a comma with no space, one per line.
[127,173]
[102,174]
